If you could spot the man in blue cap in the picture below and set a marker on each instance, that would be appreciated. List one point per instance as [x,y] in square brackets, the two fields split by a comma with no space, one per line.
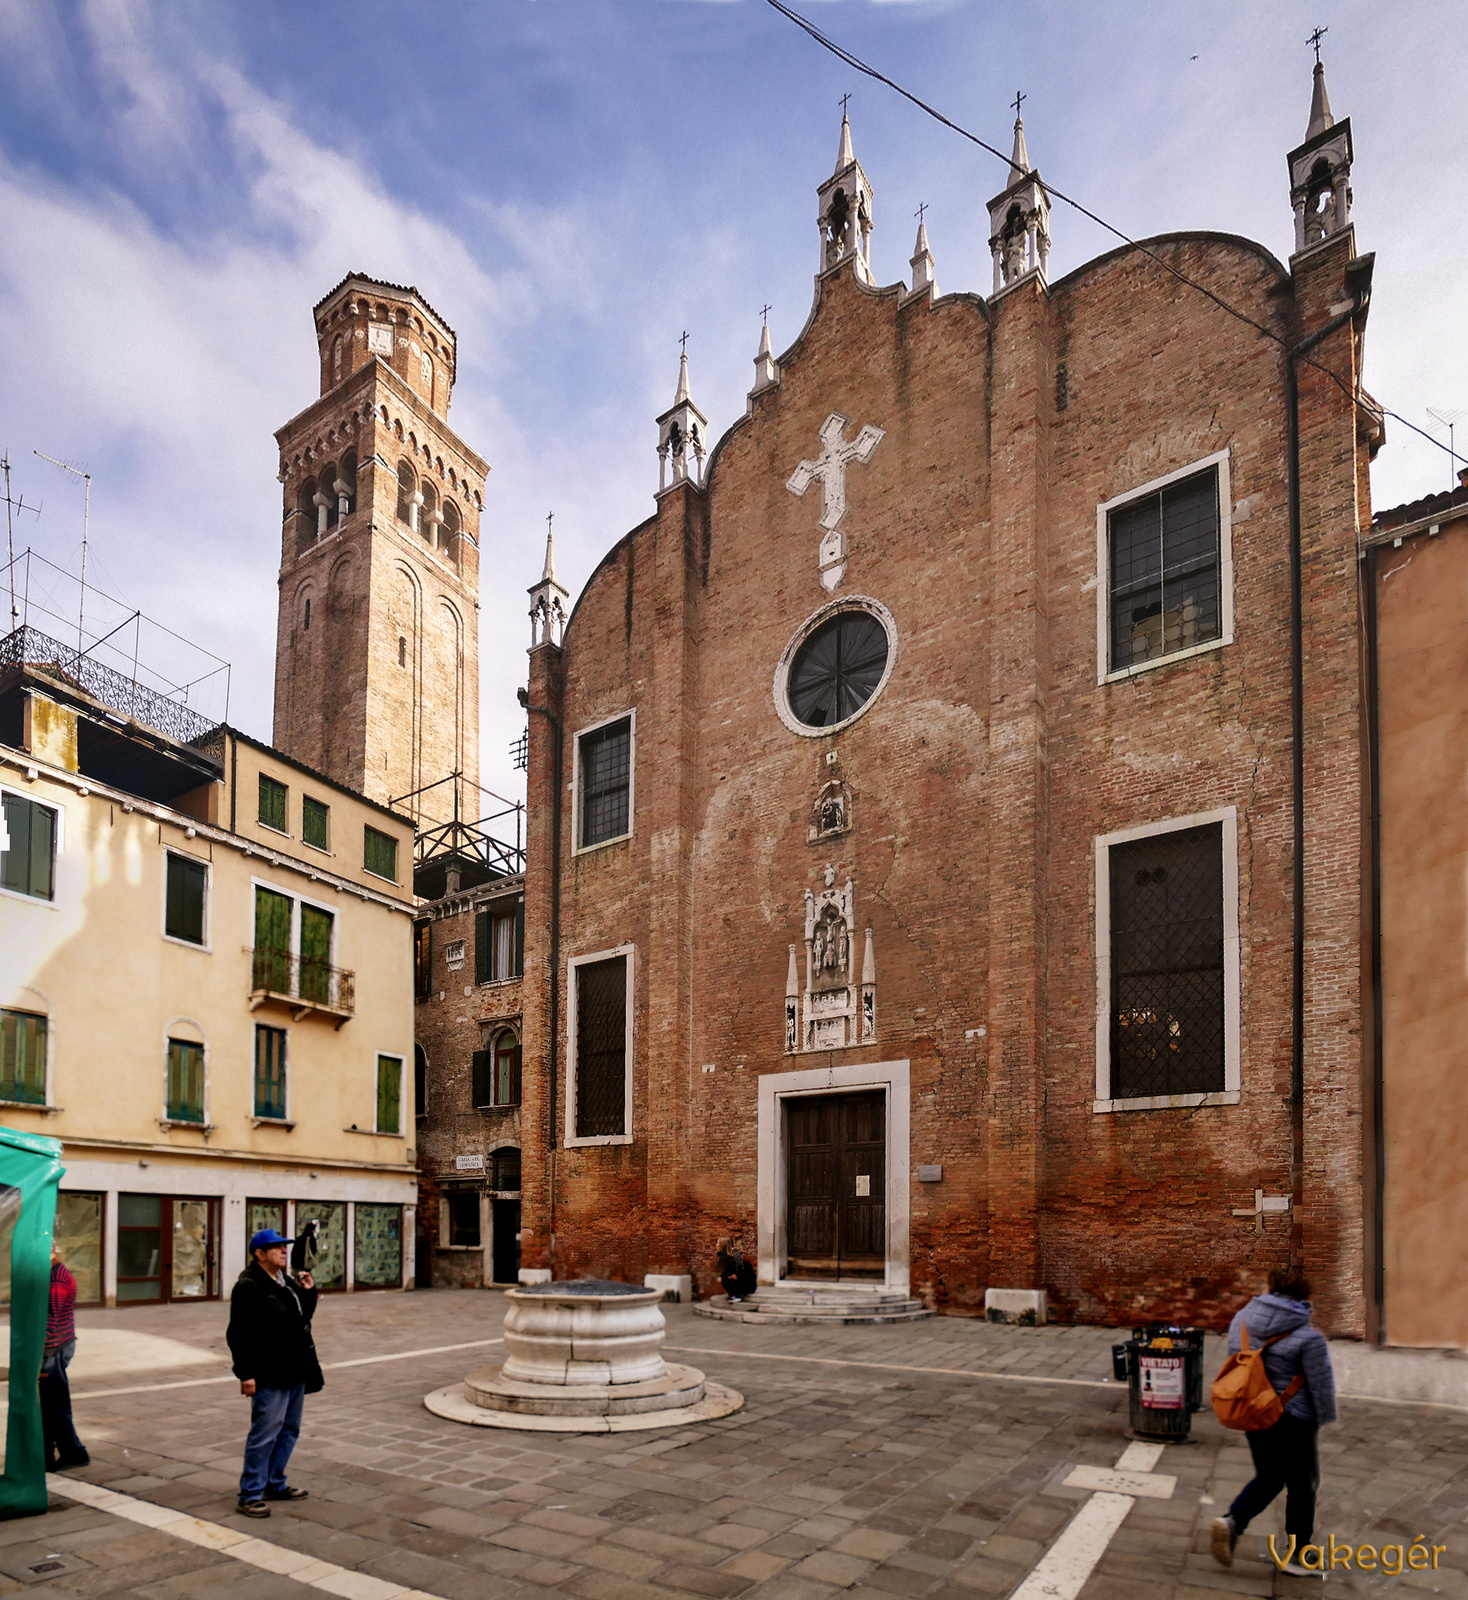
[275,1360]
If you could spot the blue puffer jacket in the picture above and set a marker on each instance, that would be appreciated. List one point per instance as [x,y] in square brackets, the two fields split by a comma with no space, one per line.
[1302,1350]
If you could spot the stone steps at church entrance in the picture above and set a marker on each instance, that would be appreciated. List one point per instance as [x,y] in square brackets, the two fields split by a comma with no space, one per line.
[835,1304]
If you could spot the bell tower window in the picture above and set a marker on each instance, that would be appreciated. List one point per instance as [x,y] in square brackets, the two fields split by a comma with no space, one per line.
[407,488]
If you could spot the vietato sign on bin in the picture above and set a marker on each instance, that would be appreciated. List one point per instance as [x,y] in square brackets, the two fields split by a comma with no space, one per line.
[1163,1382]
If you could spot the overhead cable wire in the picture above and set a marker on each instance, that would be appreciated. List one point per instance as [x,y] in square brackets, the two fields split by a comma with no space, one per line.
[1372,408]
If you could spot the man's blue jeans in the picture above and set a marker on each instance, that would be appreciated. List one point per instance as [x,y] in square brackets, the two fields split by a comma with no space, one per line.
[275,1424]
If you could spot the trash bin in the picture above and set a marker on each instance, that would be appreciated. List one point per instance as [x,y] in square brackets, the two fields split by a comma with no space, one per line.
[1157,1386]
[1192,1339]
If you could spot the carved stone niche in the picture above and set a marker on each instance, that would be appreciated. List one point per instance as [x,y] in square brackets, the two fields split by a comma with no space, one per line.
[833,1009]
[830,816]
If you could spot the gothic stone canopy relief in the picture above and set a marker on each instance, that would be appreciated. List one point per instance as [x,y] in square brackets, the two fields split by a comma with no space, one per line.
[837,453]
[834,1008]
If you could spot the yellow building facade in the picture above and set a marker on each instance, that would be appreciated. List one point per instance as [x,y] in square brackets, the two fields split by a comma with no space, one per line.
[205,990]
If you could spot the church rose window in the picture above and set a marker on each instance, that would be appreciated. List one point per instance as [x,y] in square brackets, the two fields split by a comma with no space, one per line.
[1167,957]
[833,670]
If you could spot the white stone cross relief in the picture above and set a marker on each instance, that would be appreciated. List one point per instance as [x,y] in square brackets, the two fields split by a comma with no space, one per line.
[1264,1203]
[830,468]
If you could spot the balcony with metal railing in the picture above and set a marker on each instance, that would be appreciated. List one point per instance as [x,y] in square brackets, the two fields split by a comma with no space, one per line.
[302,985]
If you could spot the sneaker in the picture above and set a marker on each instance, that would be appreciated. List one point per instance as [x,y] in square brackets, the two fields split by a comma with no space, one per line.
[1223,1536]
[736,1299]
[81,1459]
[253,1508]
[286,1494]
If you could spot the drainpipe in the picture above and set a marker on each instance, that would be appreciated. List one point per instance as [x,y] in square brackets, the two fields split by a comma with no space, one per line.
[555,945]
[1297,731]
[1378,1110]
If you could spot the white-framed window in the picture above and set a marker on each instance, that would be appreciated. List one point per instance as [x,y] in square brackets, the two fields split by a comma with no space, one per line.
[27,1048]
[186,899]
[294,952]
[599,1047]
[1164,554]
[185,1074]
[30,845]
[271,1098]
[1167,964]
[604,781]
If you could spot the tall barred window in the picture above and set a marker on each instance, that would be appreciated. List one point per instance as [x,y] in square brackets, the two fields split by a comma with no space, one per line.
[1164,584]
[1167,960]
[605,756]
[601,1049]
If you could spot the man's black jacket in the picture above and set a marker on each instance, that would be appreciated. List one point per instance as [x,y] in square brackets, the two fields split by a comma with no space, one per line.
[270,1332]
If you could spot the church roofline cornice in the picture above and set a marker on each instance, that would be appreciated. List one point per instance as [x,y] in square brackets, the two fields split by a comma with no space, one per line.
[1201,236]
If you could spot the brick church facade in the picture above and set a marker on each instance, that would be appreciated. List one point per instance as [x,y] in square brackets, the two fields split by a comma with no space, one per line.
[945,811]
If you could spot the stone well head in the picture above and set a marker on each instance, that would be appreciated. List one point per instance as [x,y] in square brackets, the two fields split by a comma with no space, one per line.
[584,1331]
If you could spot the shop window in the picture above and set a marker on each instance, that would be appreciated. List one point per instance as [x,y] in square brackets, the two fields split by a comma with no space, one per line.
[28,847]
[378,1246]
[23,1039]
[139,1247]
[77,1235]
[464,1218]
[183,916]
[261,1214]
[331,1241]
[185,1101]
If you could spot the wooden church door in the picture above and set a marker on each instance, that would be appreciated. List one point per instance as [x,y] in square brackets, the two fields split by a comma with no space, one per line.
[836,1186]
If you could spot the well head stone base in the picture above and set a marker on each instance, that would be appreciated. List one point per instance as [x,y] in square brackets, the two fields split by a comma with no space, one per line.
[677,1387]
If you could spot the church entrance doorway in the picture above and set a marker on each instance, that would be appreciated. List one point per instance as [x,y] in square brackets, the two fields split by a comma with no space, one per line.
[836,1185]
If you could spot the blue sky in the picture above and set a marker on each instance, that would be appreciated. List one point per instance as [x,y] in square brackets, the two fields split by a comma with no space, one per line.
[572,183]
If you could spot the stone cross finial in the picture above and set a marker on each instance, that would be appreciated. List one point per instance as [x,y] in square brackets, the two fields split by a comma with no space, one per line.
[1315,39]
[1019,99]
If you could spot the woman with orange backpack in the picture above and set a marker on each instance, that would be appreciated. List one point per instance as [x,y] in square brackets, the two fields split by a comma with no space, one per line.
[1296,1360]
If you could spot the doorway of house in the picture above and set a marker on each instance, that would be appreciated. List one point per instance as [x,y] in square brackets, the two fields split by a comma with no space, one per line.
[506,1241]
[836,1185]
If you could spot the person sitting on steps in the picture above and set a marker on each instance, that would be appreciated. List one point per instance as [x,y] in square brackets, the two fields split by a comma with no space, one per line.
[735,1273]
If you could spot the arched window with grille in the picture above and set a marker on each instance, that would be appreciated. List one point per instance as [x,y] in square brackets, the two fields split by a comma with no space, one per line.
[496,1072]
[327,492]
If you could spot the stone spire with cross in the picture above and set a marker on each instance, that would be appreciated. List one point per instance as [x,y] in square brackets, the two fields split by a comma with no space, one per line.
[923,281]
[765,370]
[1019,217]
[682,434]
[548,597]
[844,211]
[1320,168]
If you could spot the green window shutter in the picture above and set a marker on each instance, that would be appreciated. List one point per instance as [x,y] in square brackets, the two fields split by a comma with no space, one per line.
[389,1094]
[315,954]
[519,939]
[314,816]
[380,854]
[482,946]
[269,1072]
[479,1074]
[22,1057]
[43,851]
[184,913]
[272,802]
[272,942]
[515,1084]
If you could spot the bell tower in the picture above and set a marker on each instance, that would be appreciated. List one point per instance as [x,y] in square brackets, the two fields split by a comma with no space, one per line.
[377,637]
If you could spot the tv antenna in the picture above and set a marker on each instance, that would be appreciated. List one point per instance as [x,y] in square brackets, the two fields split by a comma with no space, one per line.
[11,507]
[86,478]
[1449,420]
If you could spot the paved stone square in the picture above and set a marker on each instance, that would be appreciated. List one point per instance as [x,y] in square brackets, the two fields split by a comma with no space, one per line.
[920,1460]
